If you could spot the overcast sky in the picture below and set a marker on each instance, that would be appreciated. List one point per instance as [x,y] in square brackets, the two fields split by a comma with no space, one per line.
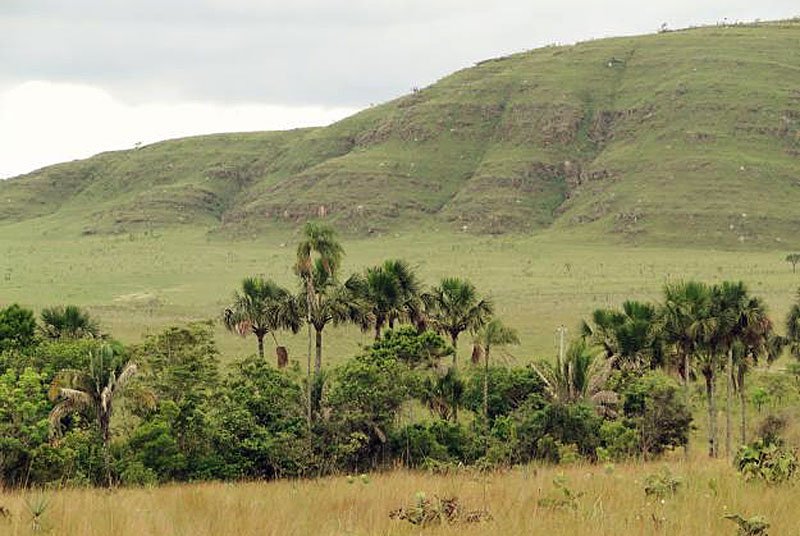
[82,76]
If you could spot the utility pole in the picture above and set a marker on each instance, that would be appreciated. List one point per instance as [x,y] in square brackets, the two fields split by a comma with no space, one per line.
[562,331]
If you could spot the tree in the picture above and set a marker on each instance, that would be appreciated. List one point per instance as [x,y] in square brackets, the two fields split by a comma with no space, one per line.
[23,422]
[262,307]
[70,322]
[493,333]
[93,391]
[17,327]
[389,291]
[180,366]
[793,259]
[331,303]
[631,336]
[684,303]
[581,376]
[318,254]
[454,307]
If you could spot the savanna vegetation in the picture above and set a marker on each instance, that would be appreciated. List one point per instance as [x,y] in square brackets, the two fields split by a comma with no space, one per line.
[81,409]
[558,330]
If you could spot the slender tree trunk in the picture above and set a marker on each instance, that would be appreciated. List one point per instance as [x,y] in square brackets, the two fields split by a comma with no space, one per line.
[687,393]
[486,385]
[318,357]
[260,338]
[308,374]
[712,414]
[742,408]
[729,403]
[377,330]
[105,432]
[454,341]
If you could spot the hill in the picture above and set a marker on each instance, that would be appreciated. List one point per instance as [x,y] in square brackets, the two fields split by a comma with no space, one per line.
[691,137]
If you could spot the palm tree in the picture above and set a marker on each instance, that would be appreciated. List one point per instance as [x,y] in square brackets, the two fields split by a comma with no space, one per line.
[262,307]
[93,391]
[319,252]
[443,394]
[68,322]
[331,303]
[632,336]
[756,339]
[580,376]
[684,302]
[454,307]
[390,292]
[493,333]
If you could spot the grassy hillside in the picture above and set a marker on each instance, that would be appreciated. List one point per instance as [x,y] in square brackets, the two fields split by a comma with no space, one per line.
[689,137]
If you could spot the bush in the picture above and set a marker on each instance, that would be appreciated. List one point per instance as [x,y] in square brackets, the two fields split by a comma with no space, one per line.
[419,444]
[543,430]
[653,405]
[768,462]
[509,389]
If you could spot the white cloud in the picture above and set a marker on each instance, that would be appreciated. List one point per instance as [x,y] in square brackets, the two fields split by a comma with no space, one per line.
[44,123]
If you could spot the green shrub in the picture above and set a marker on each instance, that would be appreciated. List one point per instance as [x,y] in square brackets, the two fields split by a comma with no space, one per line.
[768,462]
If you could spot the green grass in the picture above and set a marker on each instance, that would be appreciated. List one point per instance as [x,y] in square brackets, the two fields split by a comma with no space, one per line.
[137,283]
[688,138]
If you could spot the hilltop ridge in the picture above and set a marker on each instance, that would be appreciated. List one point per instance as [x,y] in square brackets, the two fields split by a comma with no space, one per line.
[686,137]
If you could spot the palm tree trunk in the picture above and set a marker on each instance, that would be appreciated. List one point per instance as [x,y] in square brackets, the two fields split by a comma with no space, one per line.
[742,408]
[686,393]
[454,341]
[729,403]
[104,418]
[260,346]
[318,356]
[308,374]
[712,414]
[377,330]
[486,386]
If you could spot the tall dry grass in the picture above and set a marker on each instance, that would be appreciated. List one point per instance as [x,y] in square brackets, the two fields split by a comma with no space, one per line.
[613,502]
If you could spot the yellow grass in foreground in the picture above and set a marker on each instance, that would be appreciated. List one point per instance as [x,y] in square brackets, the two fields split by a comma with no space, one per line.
[613,502]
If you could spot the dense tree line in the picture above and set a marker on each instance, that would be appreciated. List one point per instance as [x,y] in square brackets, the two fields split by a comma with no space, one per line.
[78,407]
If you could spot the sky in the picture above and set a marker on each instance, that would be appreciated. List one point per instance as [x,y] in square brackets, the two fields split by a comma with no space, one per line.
[80,77]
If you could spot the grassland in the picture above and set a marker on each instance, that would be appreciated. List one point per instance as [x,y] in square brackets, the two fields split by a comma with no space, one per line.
[140,282]
[613,502]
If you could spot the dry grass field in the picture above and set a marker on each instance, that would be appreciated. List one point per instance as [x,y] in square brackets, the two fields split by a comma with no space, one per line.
[610,500]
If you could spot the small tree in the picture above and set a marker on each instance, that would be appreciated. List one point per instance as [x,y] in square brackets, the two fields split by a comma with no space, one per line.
[262,307]
[92,391]
[493,333]
[68,322]
[454,307]
[793,259]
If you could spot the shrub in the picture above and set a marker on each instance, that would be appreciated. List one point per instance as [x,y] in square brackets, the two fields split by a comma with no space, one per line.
[653,406]
[768,462]
[509,389]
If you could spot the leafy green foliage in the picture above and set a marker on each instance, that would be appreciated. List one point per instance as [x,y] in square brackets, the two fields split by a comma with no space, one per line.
[768,462]
[258,425]
[509,389]
[409,346]
[17,327]
[562,497]
[69,322]
[440,510]
[661,485]
[752,526]
[654,406]
[23,422]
